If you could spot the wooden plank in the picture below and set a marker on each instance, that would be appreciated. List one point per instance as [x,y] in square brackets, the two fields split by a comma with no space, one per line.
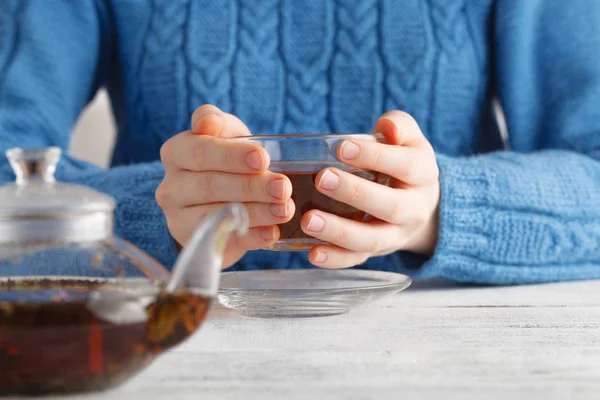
[524,342]
[274,392]
[436,293]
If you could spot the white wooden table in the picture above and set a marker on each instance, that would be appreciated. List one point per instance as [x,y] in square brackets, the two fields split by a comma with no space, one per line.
[436,340]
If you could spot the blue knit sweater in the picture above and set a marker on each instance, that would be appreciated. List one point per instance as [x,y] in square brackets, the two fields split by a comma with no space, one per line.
[516,211]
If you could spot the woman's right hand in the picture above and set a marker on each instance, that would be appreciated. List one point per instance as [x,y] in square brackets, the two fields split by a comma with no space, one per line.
[203,171]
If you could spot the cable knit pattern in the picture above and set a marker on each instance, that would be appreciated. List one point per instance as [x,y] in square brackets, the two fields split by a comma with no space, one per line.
[258,70]
[478,15]
[356,100]
[307,83]
[407,62]
[164,69]
[459,79]
[8,32]
[529,215]
[210,48]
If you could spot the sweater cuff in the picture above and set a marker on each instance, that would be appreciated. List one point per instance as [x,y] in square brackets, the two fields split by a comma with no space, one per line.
[464,206]
[463,222]
[481,241]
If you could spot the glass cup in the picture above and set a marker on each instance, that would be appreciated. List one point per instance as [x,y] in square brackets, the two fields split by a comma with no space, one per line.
[301,157]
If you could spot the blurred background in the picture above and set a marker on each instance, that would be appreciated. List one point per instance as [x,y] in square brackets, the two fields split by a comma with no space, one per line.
[95,132]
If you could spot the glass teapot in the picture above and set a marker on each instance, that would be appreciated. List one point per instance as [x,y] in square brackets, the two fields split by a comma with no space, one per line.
[82,310]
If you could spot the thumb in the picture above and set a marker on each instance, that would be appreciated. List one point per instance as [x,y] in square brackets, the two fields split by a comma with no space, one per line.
[210,120]
[399,128]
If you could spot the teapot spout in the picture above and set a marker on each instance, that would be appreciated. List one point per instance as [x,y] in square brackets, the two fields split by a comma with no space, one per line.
[199,264]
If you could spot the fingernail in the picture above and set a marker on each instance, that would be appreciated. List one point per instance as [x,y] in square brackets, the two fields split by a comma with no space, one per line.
[254,160]
[279,210]
[276,188]
[349,150]
[267,233]
[320,257]
[316,224]
[329,180]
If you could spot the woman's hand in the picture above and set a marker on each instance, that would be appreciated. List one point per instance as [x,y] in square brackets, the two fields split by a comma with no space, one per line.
[405,215]
[203,171]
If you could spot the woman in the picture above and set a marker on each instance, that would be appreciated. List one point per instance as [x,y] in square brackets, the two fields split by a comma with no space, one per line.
[467,206]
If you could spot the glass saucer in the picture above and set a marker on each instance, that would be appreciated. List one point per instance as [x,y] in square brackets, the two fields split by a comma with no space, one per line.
[305,293]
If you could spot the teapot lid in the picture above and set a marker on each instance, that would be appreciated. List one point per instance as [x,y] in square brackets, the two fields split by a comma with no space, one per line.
[38,208]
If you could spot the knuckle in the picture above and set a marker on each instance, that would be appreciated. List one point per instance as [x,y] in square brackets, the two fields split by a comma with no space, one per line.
[394,214]
[396,115]
[228,157]
[165,152]
[403,118]
[206,108]
[377,158]
[406,124]
[164,196]
[247,184]
[206,184]
[253,214]
[357,192]
[199,154]
[421,218]
[410,166]
[203,110]
[339,236]
[375,247]
[409,120]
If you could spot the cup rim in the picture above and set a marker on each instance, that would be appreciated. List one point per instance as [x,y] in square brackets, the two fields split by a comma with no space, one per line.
[275,136]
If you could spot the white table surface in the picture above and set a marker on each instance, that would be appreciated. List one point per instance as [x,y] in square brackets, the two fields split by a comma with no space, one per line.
[436,340]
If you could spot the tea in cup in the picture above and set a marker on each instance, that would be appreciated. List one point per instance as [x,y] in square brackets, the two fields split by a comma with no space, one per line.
[301,157]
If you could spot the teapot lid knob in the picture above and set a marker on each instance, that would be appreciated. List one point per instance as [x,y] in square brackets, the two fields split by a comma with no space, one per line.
[34,164]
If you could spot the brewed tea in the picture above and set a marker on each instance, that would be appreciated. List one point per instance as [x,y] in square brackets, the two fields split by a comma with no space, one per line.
[307,197]
[52,340]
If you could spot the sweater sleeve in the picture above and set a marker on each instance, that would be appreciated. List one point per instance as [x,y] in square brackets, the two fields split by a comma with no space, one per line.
[531,214]
[53,58]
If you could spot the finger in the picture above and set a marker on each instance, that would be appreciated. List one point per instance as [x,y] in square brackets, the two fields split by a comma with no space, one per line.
[396,206]
[210,120]
[410,165]
[182,223]
[200,113]
[196,188]
[190,152]
[257,238]
[400,128]
[333,257]
[259,214]
[263,214]
[361,237]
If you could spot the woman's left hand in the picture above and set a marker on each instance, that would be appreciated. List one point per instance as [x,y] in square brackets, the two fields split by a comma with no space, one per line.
[404,215]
